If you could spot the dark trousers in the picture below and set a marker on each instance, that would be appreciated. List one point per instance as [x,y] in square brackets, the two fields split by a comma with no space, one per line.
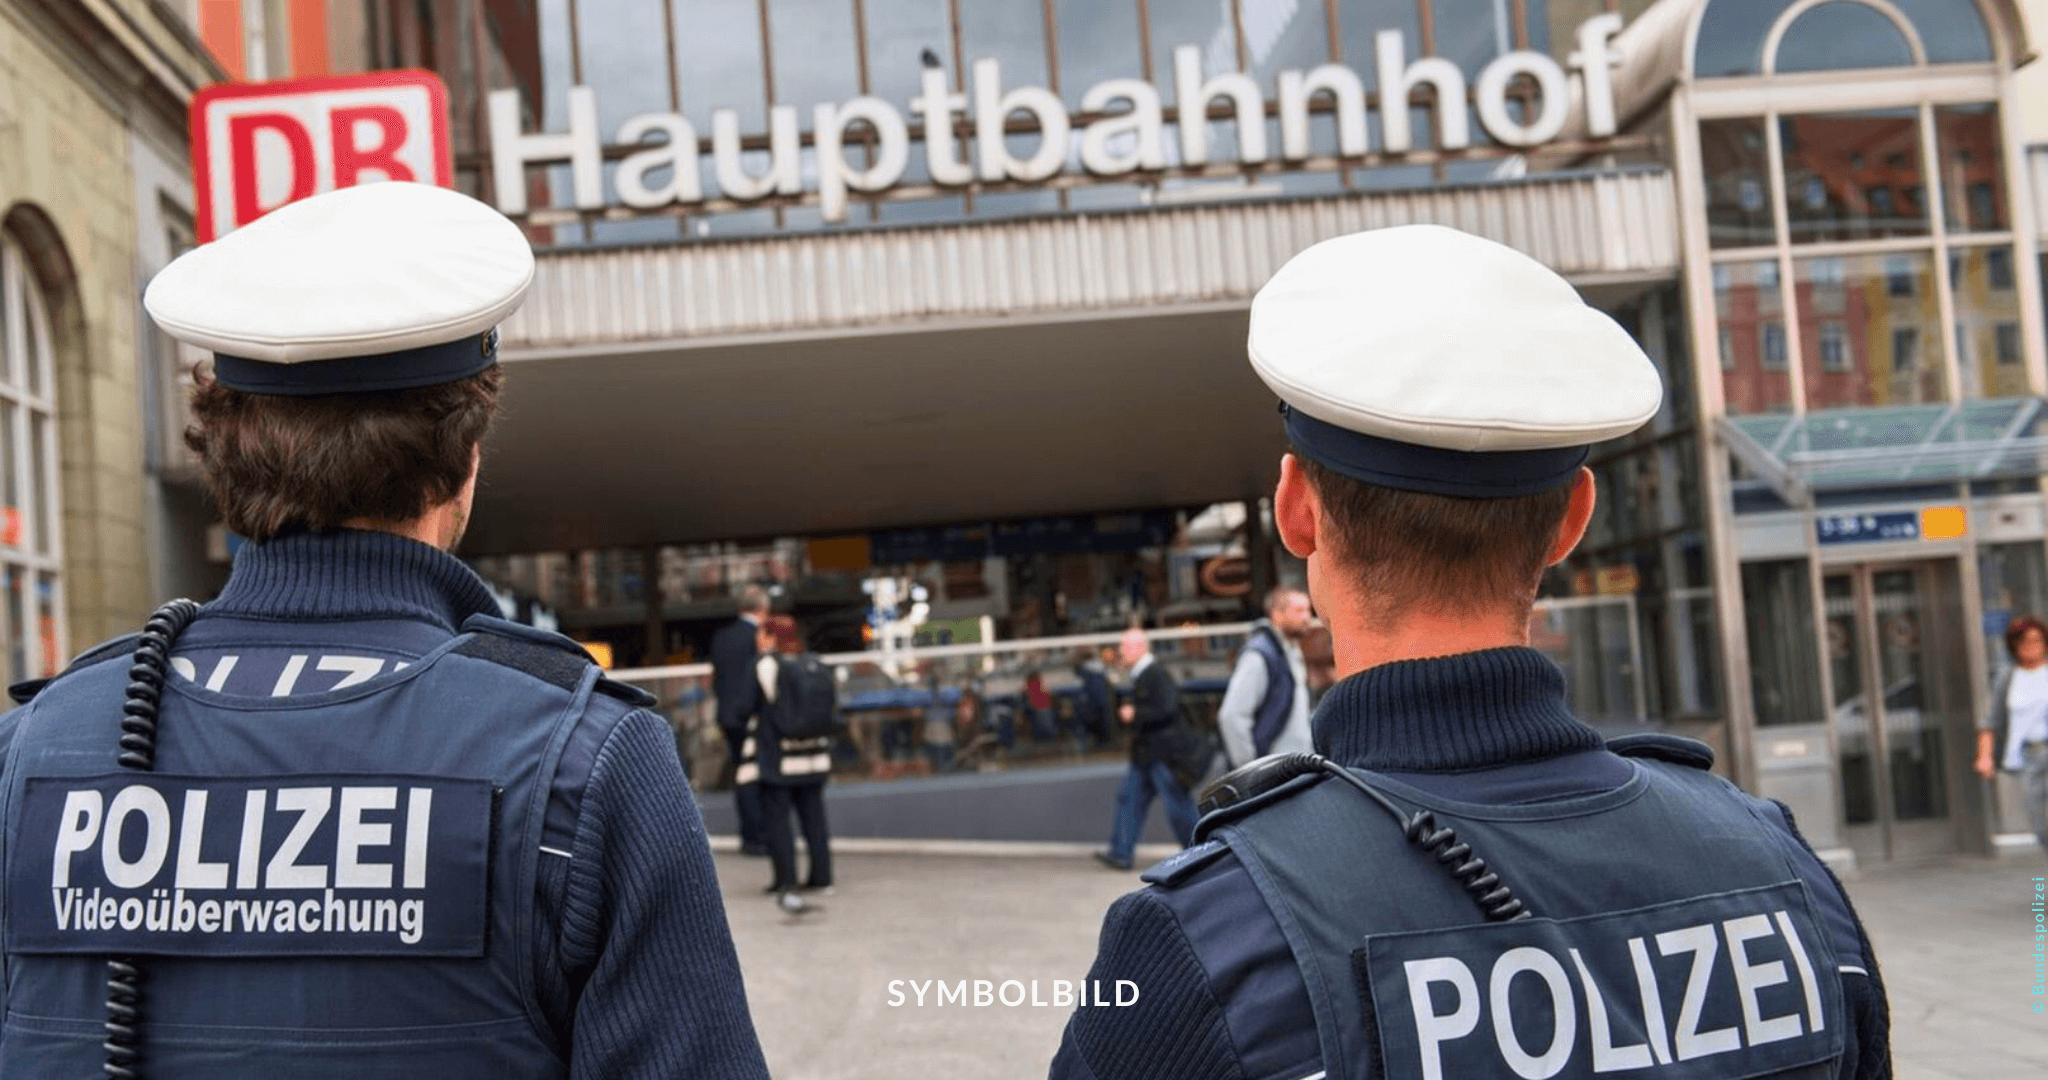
[746,797]
[808,801]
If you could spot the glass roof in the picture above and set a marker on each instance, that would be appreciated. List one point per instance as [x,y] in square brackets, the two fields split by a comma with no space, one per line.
[1909,444]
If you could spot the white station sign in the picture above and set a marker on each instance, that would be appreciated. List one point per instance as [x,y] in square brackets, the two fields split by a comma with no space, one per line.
[1131,139]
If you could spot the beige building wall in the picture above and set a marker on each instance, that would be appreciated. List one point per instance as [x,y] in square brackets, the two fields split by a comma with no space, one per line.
[2030,83]
[75,95]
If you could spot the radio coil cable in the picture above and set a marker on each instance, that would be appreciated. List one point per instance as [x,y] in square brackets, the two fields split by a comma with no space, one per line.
[146,675]
[1493,896]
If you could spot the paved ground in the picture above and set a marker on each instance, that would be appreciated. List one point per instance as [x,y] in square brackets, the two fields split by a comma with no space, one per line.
[1955,940]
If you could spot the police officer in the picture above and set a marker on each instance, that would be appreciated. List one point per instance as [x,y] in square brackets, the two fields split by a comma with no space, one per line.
[1463,881]
[347,822]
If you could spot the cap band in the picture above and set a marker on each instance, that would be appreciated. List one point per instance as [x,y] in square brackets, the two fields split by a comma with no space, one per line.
[429,365]
[1432,470]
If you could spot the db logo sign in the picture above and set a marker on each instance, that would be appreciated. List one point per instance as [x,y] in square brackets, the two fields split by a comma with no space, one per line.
[258,146]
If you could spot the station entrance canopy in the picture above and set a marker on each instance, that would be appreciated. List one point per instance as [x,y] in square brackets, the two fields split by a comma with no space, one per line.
[1898,446]
[857,379]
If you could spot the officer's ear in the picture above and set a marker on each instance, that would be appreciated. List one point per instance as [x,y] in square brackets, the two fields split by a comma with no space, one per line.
[1577,515]
[1297,508]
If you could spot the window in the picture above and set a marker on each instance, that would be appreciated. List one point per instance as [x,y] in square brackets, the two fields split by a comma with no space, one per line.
[2008,343]
[1733,157]
[1816,194]
[1834,347]
[1868,167]
[1845,330]
[1834,36]
[1998,267]
[31,597]
[1983,202]
[1749,313]
[1972,167]
[1905,349]
[1772,343]
[1823,278]
[1898,274]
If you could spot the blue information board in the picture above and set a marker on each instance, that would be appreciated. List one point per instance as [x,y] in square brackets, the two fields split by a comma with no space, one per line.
[1868,528]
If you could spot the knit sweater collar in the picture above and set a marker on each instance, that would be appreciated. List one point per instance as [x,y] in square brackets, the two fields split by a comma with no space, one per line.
[1469,711]
[352,574]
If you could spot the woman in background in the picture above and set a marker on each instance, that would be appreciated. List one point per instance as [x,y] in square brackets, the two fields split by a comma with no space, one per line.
[2016,731]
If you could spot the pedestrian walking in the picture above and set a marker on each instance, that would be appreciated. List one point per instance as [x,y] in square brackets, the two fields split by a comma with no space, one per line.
[1265,705]
[348,823]
[2016,728]
[1162,755]
[734,653]
[1463,879]
[789,750]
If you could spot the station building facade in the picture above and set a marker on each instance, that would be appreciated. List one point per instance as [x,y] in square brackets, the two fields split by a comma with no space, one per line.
[955,291]
[816,269]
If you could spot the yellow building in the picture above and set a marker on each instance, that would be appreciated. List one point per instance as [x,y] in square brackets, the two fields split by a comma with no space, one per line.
[92,175]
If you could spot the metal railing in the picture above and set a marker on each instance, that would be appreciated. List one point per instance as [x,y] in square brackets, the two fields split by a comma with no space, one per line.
[969,707]
[1046,701]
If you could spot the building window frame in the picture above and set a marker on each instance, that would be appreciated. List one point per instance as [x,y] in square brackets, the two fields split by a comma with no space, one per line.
[1834,347]
[1771,344]
[2007,336]
[33,628]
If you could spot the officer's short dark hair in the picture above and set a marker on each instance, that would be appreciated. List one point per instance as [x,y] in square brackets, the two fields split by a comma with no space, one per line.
[1409,549]
[278,465]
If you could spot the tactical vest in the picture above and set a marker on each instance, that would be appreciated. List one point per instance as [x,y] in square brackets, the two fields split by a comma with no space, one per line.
[1278,706]
[1673,936]
[330,885]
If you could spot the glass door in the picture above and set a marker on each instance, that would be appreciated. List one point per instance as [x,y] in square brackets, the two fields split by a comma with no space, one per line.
[1900,671]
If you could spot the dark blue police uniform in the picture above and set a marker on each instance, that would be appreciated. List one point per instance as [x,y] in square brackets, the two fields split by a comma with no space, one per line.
[387,835]
[1681,928]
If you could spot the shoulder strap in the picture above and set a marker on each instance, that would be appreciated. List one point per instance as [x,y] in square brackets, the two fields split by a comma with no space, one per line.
[1657,746]
[24,692]
[546,656]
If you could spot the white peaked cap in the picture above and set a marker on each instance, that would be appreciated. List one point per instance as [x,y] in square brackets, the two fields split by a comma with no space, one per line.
[405,282]
[1424,354]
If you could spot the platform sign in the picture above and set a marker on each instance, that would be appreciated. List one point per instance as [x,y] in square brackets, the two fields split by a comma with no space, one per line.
[1933,523]
[258,146]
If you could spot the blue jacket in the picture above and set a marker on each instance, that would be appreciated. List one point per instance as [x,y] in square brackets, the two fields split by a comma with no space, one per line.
[387,835]
[1278,705]
[1308,938]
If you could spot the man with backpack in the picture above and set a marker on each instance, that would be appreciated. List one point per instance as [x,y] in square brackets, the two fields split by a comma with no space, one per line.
[789,751]
[1265,707]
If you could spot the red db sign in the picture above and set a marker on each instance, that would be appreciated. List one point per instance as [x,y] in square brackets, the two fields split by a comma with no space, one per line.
[258,146]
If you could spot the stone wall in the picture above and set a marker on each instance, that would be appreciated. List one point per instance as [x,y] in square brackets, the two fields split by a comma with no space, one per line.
[72,97]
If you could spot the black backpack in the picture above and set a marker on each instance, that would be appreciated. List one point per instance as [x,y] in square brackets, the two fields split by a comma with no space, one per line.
[806,698]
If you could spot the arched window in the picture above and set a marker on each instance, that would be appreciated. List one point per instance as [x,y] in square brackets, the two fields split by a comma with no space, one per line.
[1837,34]
[31,544]
[1843,34]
